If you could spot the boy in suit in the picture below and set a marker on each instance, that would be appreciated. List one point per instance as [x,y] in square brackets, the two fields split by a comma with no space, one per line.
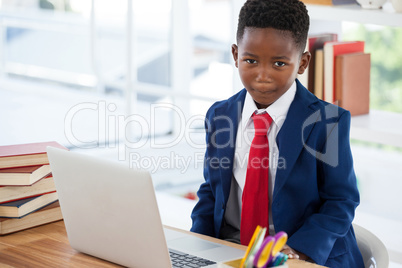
[308,189]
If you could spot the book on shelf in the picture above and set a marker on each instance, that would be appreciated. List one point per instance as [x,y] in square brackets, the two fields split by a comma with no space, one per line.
[352,75]
[331,50]
[30,154]
[319,74]
[316,42]
[13,193]
[330,2]
[23,175]
[47,214]
[22,207]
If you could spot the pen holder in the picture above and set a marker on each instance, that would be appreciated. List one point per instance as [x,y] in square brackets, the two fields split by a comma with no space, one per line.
[236,264]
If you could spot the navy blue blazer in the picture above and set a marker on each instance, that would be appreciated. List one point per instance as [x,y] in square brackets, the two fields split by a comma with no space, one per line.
[315,193]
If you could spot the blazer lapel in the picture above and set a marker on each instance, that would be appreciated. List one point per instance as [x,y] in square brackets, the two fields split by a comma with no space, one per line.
[294,132]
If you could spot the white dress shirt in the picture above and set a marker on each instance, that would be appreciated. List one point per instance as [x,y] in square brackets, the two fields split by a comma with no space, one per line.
[245,134]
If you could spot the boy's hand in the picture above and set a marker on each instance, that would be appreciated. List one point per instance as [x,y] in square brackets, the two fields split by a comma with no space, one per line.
[294,254]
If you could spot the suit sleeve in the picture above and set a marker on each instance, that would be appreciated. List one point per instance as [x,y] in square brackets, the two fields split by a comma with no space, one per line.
[203,212]
[323,231]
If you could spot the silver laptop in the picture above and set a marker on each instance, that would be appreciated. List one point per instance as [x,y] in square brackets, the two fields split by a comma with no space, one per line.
[110,211]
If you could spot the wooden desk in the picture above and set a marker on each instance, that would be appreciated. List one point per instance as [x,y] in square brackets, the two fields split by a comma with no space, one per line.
[48,246]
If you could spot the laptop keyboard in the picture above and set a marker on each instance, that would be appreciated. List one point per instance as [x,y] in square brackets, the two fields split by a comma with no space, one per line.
[183,260]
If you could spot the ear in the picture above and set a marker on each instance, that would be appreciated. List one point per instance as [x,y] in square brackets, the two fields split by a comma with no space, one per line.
[235,53]
[304,61]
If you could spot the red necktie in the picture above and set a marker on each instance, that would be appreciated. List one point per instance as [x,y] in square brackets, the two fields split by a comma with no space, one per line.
[255,193]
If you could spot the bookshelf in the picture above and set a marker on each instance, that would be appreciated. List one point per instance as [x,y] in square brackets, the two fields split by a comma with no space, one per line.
[377,126]
[385,16]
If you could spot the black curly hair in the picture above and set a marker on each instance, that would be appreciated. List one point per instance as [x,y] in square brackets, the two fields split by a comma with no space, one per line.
[285,15]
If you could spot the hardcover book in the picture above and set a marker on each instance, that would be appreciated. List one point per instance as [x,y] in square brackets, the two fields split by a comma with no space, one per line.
[316,42]
[22,207]
[23,175]
[319,74]
[29,154]
[331,50]
[353,82]
[13,193]
[47,214]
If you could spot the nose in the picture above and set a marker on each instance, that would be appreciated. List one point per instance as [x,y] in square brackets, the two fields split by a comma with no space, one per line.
[264,75]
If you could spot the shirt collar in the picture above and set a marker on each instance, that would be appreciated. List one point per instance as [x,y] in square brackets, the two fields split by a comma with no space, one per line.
[277,110]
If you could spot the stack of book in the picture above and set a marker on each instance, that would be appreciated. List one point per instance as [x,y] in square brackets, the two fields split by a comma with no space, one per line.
[28,195]
[339,72]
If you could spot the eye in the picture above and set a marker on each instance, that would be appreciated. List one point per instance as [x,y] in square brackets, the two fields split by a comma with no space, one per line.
[279,64]
[250,61]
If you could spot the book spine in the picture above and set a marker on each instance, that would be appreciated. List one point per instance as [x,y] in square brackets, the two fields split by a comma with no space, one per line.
[319,74]
[328,94]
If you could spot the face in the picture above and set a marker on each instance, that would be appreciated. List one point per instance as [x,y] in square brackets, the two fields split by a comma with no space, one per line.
[268,62]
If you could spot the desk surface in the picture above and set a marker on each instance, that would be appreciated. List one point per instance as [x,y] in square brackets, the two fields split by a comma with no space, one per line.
[47,246]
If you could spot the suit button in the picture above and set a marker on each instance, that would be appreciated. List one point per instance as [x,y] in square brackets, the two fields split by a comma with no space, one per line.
[223,206]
